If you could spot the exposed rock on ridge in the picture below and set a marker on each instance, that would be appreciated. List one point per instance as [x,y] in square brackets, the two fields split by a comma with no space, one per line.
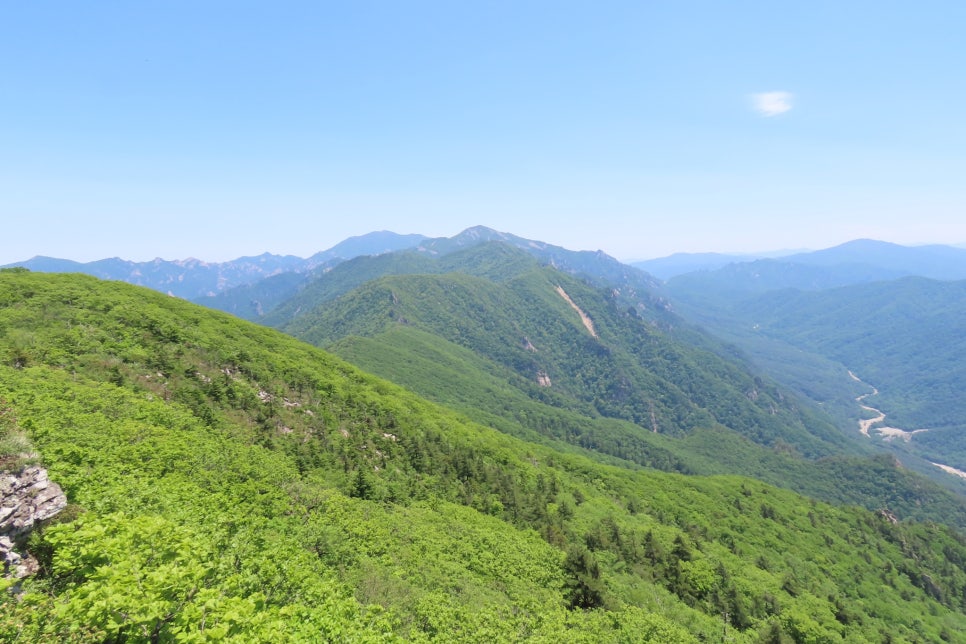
[26,499]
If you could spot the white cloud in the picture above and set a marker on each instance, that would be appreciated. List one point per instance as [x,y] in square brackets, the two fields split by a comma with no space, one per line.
[772,103]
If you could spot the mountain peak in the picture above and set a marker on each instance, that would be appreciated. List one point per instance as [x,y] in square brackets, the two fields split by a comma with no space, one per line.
[480,232]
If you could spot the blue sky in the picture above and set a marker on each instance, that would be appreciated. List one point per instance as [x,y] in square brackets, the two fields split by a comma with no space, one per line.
[220,129]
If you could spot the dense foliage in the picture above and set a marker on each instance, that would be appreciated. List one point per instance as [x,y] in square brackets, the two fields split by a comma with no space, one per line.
[229,482]
[904,337]
[520,321]
[477,329]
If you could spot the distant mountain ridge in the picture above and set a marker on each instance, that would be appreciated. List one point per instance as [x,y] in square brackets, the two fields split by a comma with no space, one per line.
[213,283]
[193,278]
[934,261]
[681,263]
[855,262]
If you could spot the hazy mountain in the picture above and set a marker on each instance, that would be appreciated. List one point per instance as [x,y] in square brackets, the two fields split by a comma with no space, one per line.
[736,280]
[934,261]
[184,278]
[855,262]
[193,279]
[904,337]
[375,243]
[679,263]
[229,482]
[252,301]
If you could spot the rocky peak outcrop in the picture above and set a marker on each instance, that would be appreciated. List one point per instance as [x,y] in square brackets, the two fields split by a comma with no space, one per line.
[27,498]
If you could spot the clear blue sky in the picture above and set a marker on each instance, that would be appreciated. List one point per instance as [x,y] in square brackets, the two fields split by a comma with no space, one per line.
[219,129]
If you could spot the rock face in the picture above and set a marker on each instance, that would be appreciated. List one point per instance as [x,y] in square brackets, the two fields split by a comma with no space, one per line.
[26,499]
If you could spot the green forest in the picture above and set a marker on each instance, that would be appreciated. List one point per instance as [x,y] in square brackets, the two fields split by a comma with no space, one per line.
[477,327]
[903,337]
[227,482]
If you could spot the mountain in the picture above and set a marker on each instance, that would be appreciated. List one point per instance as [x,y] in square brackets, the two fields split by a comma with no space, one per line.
[906,338]
[340,279]
[634,287]
[734,281]
[194,279]
[375,243]
[229,482]
[252,301]
[543,324]
[680,263]
[491,332]
[856,262]
[183,278]
[596,266]
[933,261]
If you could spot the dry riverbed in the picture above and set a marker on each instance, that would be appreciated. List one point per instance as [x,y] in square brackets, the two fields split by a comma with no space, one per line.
[890,433]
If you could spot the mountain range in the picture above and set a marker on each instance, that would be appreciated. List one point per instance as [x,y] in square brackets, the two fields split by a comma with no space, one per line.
[193,278]
[229,482]
[536,464]
[855,262]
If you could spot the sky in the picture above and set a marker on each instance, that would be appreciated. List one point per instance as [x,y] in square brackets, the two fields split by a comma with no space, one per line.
[221,129]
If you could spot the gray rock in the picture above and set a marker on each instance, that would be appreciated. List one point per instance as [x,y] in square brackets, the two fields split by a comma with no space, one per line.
[26,499]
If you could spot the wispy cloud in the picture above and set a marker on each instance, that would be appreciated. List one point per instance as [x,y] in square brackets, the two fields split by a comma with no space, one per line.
[772,103]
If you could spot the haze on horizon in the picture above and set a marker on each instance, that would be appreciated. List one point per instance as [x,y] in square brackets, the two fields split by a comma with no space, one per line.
[221,129]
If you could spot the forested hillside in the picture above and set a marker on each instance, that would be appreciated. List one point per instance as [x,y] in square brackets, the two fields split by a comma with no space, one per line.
[618,366]
[486,331]
[897,343]
[906,338]
[227,481]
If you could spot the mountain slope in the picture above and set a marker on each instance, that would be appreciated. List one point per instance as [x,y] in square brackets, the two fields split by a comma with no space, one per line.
[545,325]
[903,338]
[230,482]
[512,352]
[907,338]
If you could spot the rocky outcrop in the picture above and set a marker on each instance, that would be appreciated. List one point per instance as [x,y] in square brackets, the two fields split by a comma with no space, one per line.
[27,498]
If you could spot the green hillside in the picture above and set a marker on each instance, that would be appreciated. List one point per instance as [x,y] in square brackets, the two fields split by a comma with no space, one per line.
[488,333]
[492,260]
[230,483]
[907,338]
[904,337]
[485,392]
[527,321]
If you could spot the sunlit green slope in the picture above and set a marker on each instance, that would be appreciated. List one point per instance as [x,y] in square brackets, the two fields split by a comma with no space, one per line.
[229,482]
[491,333]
